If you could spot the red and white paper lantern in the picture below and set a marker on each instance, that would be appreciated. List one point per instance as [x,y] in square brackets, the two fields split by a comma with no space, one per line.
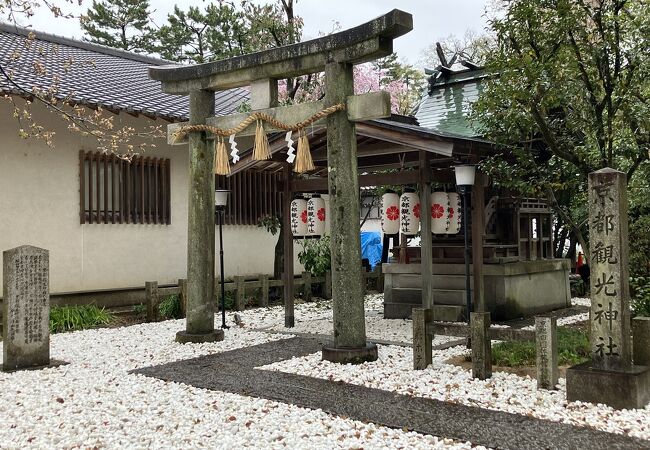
[299,217]
[439,207]
[316,216]
[453,213]
[390,213]
[409,213]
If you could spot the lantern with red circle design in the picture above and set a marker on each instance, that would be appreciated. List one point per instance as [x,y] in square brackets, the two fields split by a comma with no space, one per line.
[439,205]
[453,213]
[390,213]
[315,216]
[409,212]
[299,217]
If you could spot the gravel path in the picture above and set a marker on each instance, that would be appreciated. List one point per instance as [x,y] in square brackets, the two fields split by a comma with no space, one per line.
[236,372]
[94,403]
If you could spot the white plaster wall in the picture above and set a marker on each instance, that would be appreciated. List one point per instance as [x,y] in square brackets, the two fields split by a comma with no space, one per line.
[39,205]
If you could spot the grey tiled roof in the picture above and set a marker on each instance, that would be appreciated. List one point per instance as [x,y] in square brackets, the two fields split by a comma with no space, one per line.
[101,76]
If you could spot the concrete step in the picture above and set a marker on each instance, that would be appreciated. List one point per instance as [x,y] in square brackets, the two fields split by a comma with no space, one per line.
[446,313]
[440,296]
[439,281]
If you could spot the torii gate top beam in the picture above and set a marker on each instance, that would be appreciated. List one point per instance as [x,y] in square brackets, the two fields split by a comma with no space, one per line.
[366,42]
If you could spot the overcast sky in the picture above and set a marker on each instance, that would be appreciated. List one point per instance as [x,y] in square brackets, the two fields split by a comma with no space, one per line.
[433,19]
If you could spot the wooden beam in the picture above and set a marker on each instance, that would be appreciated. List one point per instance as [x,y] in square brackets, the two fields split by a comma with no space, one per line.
[287,235]
[417,142]
[373,105]
[363,43]
[378,179]
[478,233]
[426,240]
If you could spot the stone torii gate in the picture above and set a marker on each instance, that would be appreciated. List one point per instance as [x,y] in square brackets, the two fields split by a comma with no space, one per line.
[335,55]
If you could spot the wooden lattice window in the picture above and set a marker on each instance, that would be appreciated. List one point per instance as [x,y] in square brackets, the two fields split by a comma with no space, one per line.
[113,190]
[253,195]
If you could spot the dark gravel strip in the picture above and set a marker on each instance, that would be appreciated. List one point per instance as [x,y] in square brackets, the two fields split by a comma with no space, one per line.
[235,372]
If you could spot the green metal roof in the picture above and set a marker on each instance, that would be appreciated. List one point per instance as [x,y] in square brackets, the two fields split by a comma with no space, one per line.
[445,109]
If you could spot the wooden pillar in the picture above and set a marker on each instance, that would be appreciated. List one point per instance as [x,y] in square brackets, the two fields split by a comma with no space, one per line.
[478,234]
[306,286]
[153,300]
[264,288]
[240,293]
[200,236]
[426,240]
[349,345]
[182,286]
[287,273]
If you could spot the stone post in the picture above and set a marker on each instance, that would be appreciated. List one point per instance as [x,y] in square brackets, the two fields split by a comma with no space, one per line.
[481,345]
[641,341]
[349,345]
[609,377]
[610,291]
[546,352]
[26,308]
[200,234]
[422,342]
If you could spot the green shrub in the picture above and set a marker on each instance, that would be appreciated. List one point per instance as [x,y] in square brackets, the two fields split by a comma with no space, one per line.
[315,255]
[573,348]
[640,293]
[170,308]
[70,318]
[139,310]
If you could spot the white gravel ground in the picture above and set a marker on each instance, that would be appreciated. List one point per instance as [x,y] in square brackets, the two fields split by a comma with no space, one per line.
[94,403]
[318,320]
[504,392]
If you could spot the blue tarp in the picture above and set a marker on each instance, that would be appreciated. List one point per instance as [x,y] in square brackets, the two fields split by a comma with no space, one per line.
[371,247]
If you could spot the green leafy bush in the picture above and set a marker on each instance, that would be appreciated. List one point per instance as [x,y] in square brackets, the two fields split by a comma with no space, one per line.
[170,308]
[640,293]
[70,318]
[315,255]
[139,310]
[573,348]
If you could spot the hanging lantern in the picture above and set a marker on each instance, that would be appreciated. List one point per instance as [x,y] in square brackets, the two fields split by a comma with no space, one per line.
[316,216]
[409,212]
[390,213]
[299,217]
[453,213]
[439,206]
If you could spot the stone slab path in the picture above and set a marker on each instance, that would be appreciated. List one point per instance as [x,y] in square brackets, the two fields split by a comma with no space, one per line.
[235,372]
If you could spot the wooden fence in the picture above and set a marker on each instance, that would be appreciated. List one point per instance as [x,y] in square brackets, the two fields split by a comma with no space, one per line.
[241,285]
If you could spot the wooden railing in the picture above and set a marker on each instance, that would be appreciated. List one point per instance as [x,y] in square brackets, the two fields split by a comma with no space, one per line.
[240,285]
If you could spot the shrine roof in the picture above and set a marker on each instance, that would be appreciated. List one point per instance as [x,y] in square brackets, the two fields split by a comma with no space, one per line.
[445,108]
[94,75]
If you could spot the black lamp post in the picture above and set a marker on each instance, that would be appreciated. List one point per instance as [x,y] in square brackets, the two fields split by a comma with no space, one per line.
[220,201]
[465,180]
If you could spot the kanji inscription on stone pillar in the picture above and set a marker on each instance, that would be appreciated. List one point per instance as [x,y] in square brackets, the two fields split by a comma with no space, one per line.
[610,294]
[26,308]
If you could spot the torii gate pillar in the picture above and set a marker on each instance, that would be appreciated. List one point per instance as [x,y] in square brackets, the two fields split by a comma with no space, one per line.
[349,343]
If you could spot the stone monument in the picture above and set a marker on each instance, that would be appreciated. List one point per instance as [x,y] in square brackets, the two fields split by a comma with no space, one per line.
[546,352]
[609,377]
[26,308]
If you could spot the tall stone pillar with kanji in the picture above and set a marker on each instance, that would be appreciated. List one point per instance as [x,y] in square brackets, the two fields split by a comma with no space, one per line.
[610,376]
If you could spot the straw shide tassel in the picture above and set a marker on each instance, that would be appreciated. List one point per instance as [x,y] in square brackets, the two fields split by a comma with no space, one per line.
[221,163]
[304,162]
[261,149]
